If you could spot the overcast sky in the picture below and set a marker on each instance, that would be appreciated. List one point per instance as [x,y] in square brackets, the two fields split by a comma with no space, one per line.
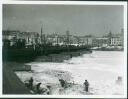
[78,19]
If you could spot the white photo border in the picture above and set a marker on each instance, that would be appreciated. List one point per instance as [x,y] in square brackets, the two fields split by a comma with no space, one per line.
[68,3]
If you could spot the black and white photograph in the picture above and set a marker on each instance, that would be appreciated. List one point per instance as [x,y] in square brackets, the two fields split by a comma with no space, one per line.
[63,49]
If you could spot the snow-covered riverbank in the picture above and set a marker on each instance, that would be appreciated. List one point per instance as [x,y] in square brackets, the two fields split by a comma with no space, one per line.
[100,68]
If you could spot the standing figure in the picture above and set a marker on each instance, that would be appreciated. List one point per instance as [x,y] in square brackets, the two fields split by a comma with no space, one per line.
[70,55]
[48,89]
[86,83]
[38,88]
[31,83]
[119,80]
[62,82]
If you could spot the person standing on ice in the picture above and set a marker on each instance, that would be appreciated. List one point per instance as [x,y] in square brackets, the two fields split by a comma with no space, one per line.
[119,80]
[38,88]
[31,83]
[86,83]
[62,82]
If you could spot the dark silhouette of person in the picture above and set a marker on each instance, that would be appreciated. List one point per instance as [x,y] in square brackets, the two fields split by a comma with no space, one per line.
[38,88]
[62,82]
[49,89]
[119,80]
[86,83]
[70,55]
[31,83]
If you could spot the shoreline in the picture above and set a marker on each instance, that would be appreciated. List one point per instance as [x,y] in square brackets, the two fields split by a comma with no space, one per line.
[11,83]
[29,54]
[56,58]
[10,79]
[45,72]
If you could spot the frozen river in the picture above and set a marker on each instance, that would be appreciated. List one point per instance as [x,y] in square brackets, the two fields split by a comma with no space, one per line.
[100,68]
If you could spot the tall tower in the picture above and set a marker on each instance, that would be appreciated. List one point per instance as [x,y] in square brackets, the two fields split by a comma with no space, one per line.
[68,38]
[109,38]
[122,31]
[110,34]
[41,35]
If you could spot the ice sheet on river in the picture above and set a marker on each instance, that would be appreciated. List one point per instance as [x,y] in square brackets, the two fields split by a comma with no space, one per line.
[101,69]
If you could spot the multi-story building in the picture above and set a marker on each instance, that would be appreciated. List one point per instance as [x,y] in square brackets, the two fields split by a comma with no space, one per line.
[116,39]
[13,37]
[55,39]
[100,42]
[109,40]
[88,40]
[10,36]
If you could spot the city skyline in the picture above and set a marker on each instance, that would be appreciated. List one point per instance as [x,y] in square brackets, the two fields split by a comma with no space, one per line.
[78,19]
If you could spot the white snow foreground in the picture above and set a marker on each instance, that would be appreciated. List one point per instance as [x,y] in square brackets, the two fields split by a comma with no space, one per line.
[51,78]
[101,69]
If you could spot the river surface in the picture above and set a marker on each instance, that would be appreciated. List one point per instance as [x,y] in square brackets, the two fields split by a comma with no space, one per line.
[100,68]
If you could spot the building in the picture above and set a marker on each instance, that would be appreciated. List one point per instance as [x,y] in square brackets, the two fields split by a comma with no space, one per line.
[10,36]
[110,40]
[116,39]
[100,42]
[55,39]
[88,40]
[29,38]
